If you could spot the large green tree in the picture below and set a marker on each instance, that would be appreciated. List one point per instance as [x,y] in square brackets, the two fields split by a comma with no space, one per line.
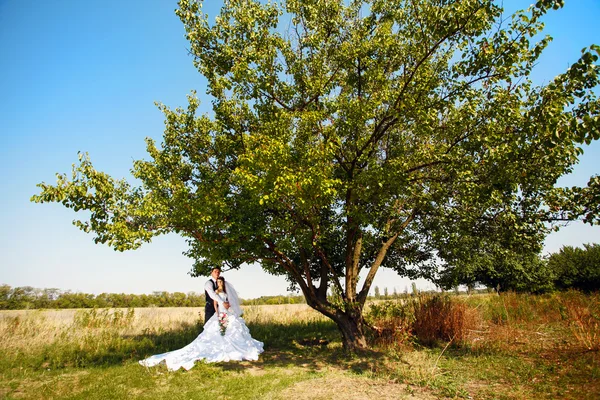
[508,271]
[577,268]
[349,135]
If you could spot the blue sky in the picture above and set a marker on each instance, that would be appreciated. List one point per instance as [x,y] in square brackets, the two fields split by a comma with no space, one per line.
[84,76]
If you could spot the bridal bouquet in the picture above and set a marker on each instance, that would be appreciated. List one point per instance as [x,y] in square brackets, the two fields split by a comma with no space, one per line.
[222,323]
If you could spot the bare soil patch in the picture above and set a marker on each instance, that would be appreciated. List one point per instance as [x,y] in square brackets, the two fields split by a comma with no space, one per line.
[336,386]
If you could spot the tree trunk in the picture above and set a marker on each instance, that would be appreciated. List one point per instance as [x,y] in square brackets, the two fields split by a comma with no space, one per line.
[351,325]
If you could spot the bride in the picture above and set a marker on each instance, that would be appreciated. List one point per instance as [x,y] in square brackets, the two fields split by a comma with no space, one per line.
[225,337]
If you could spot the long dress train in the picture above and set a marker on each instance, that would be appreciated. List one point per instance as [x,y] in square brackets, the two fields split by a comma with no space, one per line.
[211,345]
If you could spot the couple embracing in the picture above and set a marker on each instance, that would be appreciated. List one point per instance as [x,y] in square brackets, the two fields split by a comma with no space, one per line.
[225,336]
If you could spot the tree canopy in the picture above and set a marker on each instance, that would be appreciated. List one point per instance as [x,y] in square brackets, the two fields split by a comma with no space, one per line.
[346,136]
[577,268]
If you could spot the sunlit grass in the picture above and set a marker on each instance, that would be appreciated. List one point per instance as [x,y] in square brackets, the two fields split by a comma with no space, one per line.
[522,346]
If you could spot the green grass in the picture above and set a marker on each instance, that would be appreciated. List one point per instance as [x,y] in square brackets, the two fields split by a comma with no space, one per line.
[132,381]
[526,347]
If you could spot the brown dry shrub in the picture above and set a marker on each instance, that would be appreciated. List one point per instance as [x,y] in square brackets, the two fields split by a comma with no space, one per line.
[584,319]
[391,331]
[438,318]
[429,319]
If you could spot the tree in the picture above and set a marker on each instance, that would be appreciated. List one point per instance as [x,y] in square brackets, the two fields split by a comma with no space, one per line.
[576,268]
[344,138]
[5,292]
[20,298]
[377,293]
[516,272]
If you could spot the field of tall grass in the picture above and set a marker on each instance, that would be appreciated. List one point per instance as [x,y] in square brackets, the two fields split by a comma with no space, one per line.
[511,346]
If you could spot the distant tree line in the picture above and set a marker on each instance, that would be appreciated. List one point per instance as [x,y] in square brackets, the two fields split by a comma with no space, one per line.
[570,268]
[272,300]
[396,295]
[27,297]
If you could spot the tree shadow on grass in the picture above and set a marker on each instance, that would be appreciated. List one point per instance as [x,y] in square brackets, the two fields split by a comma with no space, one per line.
[313,346]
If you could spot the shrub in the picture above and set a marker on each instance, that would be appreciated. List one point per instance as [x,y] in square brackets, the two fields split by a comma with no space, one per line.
[392,321]
[426,318]
[583,314]
[438,318]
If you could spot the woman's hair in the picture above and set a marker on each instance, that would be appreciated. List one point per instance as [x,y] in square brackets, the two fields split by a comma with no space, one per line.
[222,280]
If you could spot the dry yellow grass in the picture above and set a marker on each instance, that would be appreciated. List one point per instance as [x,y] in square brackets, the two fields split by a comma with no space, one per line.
[528,347]
[342,386]
[19,328]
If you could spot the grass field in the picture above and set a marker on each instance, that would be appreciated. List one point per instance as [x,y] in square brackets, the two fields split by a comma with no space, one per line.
[506,347]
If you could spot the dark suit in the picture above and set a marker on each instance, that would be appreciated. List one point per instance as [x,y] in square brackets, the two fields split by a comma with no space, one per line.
[209,308]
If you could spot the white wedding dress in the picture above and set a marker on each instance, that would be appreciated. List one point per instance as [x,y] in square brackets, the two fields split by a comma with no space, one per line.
[211,346]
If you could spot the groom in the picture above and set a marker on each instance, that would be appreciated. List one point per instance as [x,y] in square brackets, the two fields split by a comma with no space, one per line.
[209,291]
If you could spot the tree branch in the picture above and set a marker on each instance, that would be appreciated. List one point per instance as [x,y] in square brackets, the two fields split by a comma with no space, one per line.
[362,296]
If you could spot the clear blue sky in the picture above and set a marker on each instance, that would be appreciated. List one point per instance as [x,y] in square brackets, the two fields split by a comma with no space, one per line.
[83,76]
